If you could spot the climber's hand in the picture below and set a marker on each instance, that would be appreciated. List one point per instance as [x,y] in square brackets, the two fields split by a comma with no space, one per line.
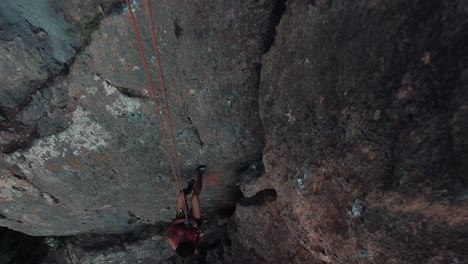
[173,243]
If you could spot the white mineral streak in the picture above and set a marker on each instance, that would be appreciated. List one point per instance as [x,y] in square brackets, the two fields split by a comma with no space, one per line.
[82,134]
[91,90]
[123,104]
[109,88]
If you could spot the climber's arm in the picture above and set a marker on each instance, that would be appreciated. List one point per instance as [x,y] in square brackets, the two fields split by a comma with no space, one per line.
[172,243]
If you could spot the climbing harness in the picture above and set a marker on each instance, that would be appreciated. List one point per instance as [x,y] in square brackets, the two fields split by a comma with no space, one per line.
[171,154]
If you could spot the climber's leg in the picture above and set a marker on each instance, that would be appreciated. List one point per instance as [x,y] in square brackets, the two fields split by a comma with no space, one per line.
[195,201]
[180,205]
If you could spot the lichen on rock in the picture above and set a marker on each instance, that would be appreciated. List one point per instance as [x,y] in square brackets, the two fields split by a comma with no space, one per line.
[82,134]
[333,131]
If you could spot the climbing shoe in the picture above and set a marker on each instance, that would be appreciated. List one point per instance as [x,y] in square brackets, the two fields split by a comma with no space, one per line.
[201,170]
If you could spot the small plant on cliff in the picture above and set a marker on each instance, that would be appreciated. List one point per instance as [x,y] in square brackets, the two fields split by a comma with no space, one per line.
[93,24]
[55,242]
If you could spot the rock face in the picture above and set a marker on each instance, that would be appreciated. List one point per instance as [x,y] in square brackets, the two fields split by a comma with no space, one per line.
[356,108]
[363,105]
[82,150]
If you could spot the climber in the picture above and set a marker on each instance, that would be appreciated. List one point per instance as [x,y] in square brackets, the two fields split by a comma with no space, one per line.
[184,235]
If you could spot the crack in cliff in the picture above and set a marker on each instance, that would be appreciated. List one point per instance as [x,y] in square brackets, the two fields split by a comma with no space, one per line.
[128,92]
[260,198]
[196,132]
[279,9]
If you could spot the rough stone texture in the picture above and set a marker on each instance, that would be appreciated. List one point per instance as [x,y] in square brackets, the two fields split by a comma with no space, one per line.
[363,105]
[146,244]
[38,41]
[84,153]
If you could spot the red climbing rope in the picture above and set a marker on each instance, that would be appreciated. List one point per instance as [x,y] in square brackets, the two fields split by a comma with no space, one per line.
[158,111]
[163,86]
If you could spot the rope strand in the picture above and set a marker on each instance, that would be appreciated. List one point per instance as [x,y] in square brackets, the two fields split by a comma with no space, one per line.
[163,86]
[158,111]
